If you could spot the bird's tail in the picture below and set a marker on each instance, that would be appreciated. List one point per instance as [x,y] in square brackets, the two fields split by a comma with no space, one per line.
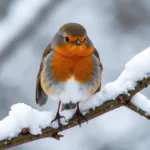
[68,106]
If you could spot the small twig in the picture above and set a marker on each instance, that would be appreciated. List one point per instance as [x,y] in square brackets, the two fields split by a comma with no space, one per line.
[57,136]
[137,110]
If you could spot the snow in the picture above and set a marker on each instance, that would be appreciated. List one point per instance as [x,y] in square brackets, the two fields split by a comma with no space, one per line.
[22,115]
[141,102]
[136,69]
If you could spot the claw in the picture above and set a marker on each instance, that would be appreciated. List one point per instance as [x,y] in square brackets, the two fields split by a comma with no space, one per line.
[79,115]
[58,118]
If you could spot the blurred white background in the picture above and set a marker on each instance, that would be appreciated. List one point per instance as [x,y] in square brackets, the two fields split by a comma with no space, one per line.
[118,29]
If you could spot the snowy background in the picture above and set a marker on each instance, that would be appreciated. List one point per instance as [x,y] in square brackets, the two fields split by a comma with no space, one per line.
[118,29]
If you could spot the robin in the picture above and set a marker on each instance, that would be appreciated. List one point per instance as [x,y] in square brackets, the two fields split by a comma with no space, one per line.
[70,70]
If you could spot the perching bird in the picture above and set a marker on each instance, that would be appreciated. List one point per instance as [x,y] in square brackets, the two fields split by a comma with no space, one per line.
[70,70]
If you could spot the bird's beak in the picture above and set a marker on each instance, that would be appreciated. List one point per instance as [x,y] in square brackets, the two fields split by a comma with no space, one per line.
[77,42]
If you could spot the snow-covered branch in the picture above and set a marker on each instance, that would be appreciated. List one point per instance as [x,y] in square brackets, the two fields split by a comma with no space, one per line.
[140,104]
[25,124]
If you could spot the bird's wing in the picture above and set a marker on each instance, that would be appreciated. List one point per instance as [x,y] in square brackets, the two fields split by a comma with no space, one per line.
[41,97]
[100,65]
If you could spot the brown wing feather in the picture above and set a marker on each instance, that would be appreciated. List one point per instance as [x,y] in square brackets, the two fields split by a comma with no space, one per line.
[41,97]
[101,66]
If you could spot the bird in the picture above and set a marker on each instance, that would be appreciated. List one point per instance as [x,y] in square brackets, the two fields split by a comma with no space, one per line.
[70,70]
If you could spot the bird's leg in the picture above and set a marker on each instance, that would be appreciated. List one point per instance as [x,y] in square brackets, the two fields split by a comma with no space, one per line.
[58,117]
[79,114]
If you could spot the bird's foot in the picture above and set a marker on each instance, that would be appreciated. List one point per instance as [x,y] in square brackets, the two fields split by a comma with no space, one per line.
[79,115]
[58,118]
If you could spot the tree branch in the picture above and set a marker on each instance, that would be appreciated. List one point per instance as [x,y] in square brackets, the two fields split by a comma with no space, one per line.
[121,100]
[137,110]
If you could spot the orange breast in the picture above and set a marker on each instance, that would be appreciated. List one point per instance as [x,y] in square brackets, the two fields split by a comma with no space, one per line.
[63,68]
[83,69]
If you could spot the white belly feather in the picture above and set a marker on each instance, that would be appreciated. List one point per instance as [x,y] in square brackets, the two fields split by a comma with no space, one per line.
[71,91]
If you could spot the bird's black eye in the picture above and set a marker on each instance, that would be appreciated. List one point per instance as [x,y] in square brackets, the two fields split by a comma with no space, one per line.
[84,40]
[67,39]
